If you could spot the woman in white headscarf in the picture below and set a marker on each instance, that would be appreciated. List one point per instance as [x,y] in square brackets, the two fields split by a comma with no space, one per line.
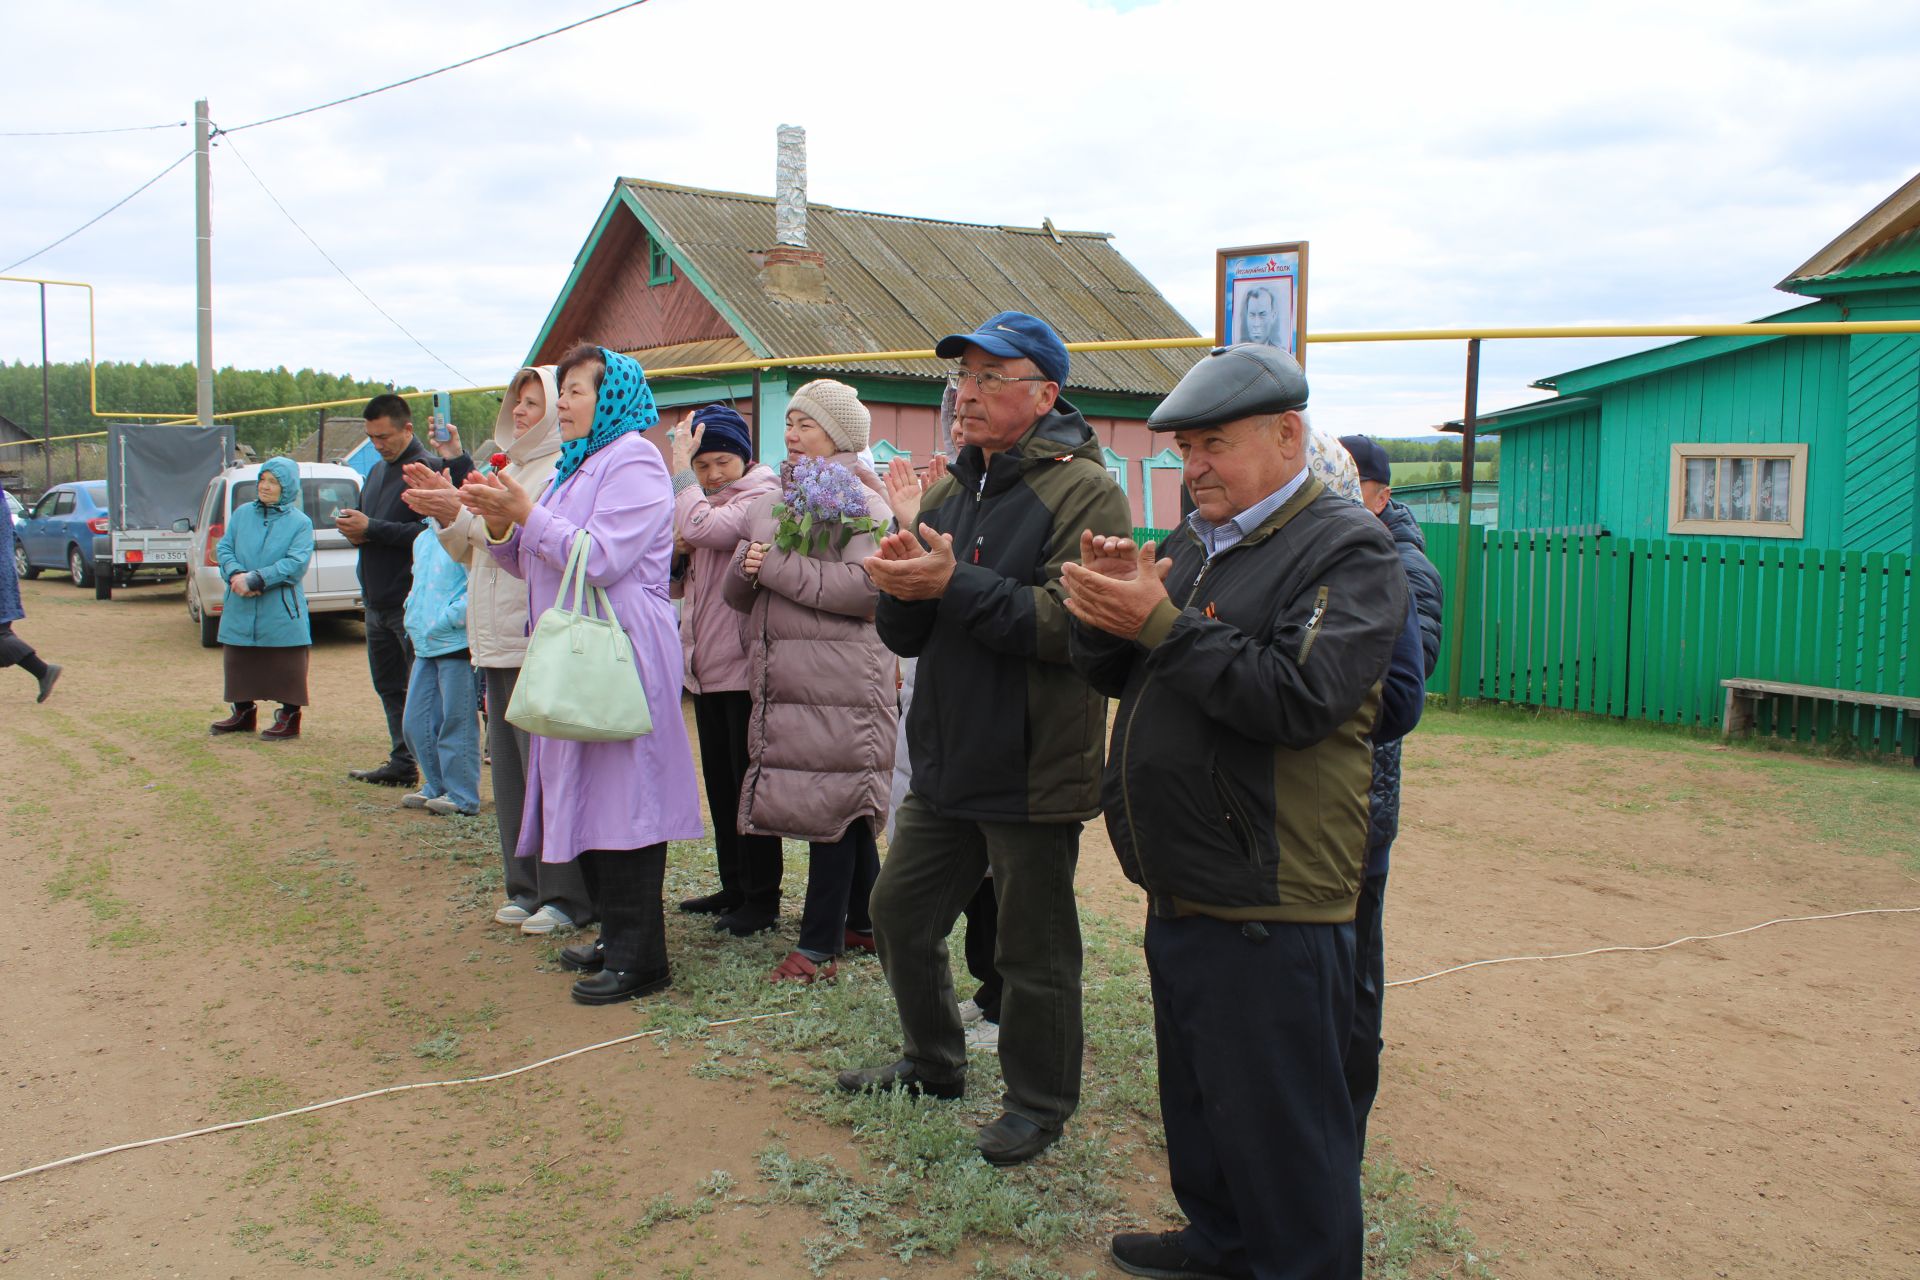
[540,896]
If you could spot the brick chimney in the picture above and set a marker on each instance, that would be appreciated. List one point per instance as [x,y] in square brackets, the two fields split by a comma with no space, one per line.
[790,270]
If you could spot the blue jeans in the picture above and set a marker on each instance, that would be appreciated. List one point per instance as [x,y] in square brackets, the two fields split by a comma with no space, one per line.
[443,730]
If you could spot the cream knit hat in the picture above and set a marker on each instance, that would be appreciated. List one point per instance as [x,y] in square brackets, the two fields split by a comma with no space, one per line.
[837,408]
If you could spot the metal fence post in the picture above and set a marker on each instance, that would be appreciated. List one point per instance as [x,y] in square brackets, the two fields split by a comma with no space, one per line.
[1457,651]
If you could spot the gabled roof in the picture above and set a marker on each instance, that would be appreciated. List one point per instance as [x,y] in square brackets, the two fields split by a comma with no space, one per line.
[1519,415]
[1887,221]
[1675,354]
[899,283]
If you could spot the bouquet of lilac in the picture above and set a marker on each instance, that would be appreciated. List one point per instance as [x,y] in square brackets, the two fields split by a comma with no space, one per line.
[820,503]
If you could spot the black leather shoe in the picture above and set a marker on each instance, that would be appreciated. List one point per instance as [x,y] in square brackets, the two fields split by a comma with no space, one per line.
[1014,1139]
[386,775]
[711,904]
[1164,1256]
[587,957]
[611,986]
[904,1076]
[744,922]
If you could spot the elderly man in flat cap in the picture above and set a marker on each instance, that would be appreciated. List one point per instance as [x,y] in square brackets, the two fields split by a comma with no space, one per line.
[1249,669]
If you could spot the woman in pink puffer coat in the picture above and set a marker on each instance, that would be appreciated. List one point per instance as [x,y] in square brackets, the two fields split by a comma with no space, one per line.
[822,733]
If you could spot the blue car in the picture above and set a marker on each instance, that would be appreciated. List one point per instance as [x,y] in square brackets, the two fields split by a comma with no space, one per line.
[66,531]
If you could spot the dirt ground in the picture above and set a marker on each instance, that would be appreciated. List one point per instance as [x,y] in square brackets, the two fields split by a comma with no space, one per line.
[1743,1107]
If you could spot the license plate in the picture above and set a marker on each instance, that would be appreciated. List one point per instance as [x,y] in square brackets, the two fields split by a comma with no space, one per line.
[166,557]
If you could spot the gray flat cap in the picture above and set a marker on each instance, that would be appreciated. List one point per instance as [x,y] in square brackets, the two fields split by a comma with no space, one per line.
[1231,383]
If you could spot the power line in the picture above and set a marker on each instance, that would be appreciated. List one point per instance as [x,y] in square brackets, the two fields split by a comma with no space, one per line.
[337,267]
[103,213]
[452,66]
[75,133]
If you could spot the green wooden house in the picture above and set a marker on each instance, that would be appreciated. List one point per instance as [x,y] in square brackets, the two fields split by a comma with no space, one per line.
[1807,442]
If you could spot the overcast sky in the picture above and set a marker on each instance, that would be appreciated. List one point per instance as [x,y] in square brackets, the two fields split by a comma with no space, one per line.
[1472,164]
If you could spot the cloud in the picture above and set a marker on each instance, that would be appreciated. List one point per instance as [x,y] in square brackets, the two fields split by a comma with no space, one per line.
[1485,163]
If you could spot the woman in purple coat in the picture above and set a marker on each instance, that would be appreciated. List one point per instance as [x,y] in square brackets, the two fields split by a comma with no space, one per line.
[612,805]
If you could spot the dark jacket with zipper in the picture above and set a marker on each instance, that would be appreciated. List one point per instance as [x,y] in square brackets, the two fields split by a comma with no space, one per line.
[1236,786]
[386,557]
[1428,599]
[1002,729]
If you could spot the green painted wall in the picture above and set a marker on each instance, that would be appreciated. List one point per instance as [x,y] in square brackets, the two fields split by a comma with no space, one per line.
[1549,474]
[1790,391]
[1883,444]
[1854,400]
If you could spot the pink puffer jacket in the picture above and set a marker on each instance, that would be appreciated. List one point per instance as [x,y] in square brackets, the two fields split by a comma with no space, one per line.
[710,637]
[822,734]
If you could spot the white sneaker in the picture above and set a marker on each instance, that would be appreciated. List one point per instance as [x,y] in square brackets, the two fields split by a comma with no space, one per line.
[447,808]
[415,800]
[984,1036]
[969,1013]
[546,920]
[512,913]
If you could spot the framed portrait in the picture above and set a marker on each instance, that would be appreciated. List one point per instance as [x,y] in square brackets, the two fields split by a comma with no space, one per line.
[1260,295]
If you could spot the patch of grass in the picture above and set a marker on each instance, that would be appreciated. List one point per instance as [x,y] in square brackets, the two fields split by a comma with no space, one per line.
[247,1097]
[1408,1237]
[920,1187]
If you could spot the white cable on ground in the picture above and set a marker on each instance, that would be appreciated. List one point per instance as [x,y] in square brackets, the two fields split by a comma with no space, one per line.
[376,1093]
[788,1013]
[1694,937]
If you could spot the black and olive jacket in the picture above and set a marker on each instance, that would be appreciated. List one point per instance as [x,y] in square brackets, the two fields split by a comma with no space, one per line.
[1002,728]
[1236,783]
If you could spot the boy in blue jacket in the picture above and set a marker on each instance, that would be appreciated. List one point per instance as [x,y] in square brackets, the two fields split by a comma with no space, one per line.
[440,721]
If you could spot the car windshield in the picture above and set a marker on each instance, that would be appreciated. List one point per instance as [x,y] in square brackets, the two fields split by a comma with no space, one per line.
[97,492]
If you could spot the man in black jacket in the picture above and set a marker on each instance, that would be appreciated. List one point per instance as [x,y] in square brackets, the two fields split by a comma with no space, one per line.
[1383,809]
[1003,736]
[384,527]
[1248,668]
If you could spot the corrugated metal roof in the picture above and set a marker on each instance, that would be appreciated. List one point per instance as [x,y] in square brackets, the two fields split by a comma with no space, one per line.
[1895,257]
[898,283]
[681,355]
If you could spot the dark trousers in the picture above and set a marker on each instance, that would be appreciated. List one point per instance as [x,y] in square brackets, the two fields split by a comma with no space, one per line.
[749,865]
[932,871]
[530,882]
[15,651]
[1369,987]
[390,659]
[1252,1023]
[626,885]
[983,934]
[840,878]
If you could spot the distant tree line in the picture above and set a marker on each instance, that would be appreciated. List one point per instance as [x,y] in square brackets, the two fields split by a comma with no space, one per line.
[170,388]
[1484,449]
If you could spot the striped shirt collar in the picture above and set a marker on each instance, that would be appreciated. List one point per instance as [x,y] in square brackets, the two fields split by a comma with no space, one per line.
[1218,537]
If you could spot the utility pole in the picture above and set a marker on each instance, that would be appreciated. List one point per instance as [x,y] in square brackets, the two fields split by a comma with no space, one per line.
[203,255]
[1458,593]
[46,413]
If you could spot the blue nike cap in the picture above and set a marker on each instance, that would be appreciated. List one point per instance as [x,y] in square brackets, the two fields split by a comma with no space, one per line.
[1013,335]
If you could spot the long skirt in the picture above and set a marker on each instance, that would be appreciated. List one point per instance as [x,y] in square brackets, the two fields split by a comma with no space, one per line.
[259,674]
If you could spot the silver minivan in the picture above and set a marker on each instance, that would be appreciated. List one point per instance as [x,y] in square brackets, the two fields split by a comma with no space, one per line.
[332,582]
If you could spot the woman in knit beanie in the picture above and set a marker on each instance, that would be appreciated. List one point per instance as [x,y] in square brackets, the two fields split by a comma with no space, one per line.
[715,482]
[821,738]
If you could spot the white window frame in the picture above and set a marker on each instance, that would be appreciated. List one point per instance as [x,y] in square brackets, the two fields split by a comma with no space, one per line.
[1795,525]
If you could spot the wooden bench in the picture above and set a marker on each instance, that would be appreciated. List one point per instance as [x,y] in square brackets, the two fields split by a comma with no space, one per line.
[1744,695]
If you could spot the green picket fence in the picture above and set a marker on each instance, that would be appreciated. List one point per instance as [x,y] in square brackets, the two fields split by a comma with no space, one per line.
[1646,630]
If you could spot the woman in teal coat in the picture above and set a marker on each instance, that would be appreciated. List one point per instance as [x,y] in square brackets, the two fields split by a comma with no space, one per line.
[264,625]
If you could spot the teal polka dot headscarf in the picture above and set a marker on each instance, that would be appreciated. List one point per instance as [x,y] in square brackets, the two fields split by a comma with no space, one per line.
[625,404]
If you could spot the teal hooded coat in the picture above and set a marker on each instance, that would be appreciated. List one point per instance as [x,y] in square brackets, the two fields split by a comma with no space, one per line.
[275,542]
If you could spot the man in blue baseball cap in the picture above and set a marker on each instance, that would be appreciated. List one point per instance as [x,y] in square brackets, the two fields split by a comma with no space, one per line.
[1004,738]
[1013,335]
